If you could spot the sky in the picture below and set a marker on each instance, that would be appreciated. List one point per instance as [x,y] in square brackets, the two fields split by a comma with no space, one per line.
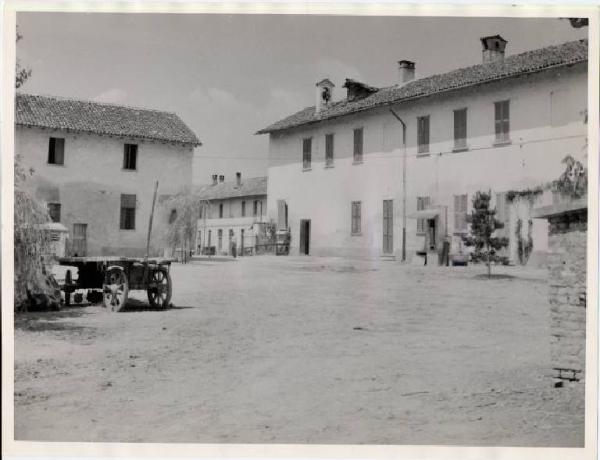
[228,76]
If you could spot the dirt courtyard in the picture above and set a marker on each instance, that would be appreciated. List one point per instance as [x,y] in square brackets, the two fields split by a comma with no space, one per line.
[303,350]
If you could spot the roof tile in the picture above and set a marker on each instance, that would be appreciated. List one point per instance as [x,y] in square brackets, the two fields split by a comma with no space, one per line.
[512,66]
[104,119]
[253,186]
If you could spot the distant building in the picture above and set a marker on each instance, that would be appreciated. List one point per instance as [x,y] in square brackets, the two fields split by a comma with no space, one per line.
[232,212]
[95,168]
[336,168]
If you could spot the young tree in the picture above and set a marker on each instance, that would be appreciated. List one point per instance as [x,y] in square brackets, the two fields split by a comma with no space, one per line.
[483,225]
[183,220]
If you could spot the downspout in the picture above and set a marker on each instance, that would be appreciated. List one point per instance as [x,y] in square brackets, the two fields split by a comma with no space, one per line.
[403,183]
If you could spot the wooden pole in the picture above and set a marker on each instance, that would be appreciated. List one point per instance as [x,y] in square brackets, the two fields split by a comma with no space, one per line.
[150,223]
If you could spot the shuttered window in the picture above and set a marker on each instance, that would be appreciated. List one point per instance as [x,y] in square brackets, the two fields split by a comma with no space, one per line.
[356,218]
[243,209]
[130,156]
[460,129]
[56,151]
[460,213]
[329,149]
[128,212]
[358,145]
[423,202]
[306,152]
[501,207]
[502,120]
[423,134]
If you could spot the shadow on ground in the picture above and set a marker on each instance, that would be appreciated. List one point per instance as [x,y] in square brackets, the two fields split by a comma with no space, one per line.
[40,321]
[137,306]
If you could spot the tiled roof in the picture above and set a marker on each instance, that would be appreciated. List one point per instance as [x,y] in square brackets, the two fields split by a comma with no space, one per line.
[253,186]
[104,119]
[519,64]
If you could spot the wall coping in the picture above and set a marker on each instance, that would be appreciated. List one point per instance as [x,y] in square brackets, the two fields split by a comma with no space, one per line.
[572,206]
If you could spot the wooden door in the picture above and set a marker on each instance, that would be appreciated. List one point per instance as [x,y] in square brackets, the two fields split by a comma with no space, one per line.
[79,244]
[388,226]
[305,237]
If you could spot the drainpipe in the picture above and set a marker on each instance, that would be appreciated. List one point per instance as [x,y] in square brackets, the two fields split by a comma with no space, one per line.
[403,183]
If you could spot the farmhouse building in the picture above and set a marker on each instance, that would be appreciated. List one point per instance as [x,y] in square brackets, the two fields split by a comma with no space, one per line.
[95,166]
[232,213]
[340,171]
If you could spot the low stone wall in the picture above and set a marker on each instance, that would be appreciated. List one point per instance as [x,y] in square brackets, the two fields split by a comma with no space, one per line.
[567,296]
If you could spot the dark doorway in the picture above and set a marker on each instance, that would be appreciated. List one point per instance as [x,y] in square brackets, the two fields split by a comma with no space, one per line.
[431,234]
[305,236]
[388,226]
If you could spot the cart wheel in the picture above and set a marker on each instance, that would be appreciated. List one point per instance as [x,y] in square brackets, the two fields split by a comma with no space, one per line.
[160,289]
[115,289]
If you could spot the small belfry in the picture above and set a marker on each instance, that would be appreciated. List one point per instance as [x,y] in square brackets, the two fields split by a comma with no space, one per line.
[324,94]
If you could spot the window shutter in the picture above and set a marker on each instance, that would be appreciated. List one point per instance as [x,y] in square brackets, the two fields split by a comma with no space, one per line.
[59,154]
[358,144]
[329,148]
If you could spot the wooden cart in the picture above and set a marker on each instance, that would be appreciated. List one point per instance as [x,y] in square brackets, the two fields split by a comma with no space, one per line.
[114,277]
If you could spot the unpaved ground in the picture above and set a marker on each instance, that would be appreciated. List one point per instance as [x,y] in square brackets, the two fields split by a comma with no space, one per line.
[303,350]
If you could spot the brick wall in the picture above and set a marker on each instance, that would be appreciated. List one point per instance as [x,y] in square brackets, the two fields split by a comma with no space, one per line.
[567,295]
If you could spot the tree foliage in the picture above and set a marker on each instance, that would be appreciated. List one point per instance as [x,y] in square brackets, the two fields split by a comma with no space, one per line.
[183,221]
[573,181]
[22,74]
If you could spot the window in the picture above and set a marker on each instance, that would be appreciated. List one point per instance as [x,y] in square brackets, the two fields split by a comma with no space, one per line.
[423,202]
[130,156]
[358,145]
[255,208]
[355,224]
[201,211]
[127,212]
[328,149]
[243,209]
[173,216]
[306,153]
[502,121]
[423,134]
[501,207]
[460,129]
[56,151]
[460,213]
[54,211]
[220,210]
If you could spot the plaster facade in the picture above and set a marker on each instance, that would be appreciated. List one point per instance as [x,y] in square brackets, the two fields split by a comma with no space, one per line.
[241,229]
[89,185]
[547,122]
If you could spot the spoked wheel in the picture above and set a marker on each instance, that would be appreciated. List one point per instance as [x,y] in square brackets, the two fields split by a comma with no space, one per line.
[159,289]
[115,289]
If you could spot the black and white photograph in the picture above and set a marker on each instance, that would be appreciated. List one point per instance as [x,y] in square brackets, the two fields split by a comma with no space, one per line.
[312,229]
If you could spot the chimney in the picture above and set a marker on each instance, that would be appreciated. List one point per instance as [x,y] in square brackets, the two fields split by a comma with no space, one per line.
[406,71]
[214,179]
[238,178]
[324,94]
[493,48]
[221,178]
